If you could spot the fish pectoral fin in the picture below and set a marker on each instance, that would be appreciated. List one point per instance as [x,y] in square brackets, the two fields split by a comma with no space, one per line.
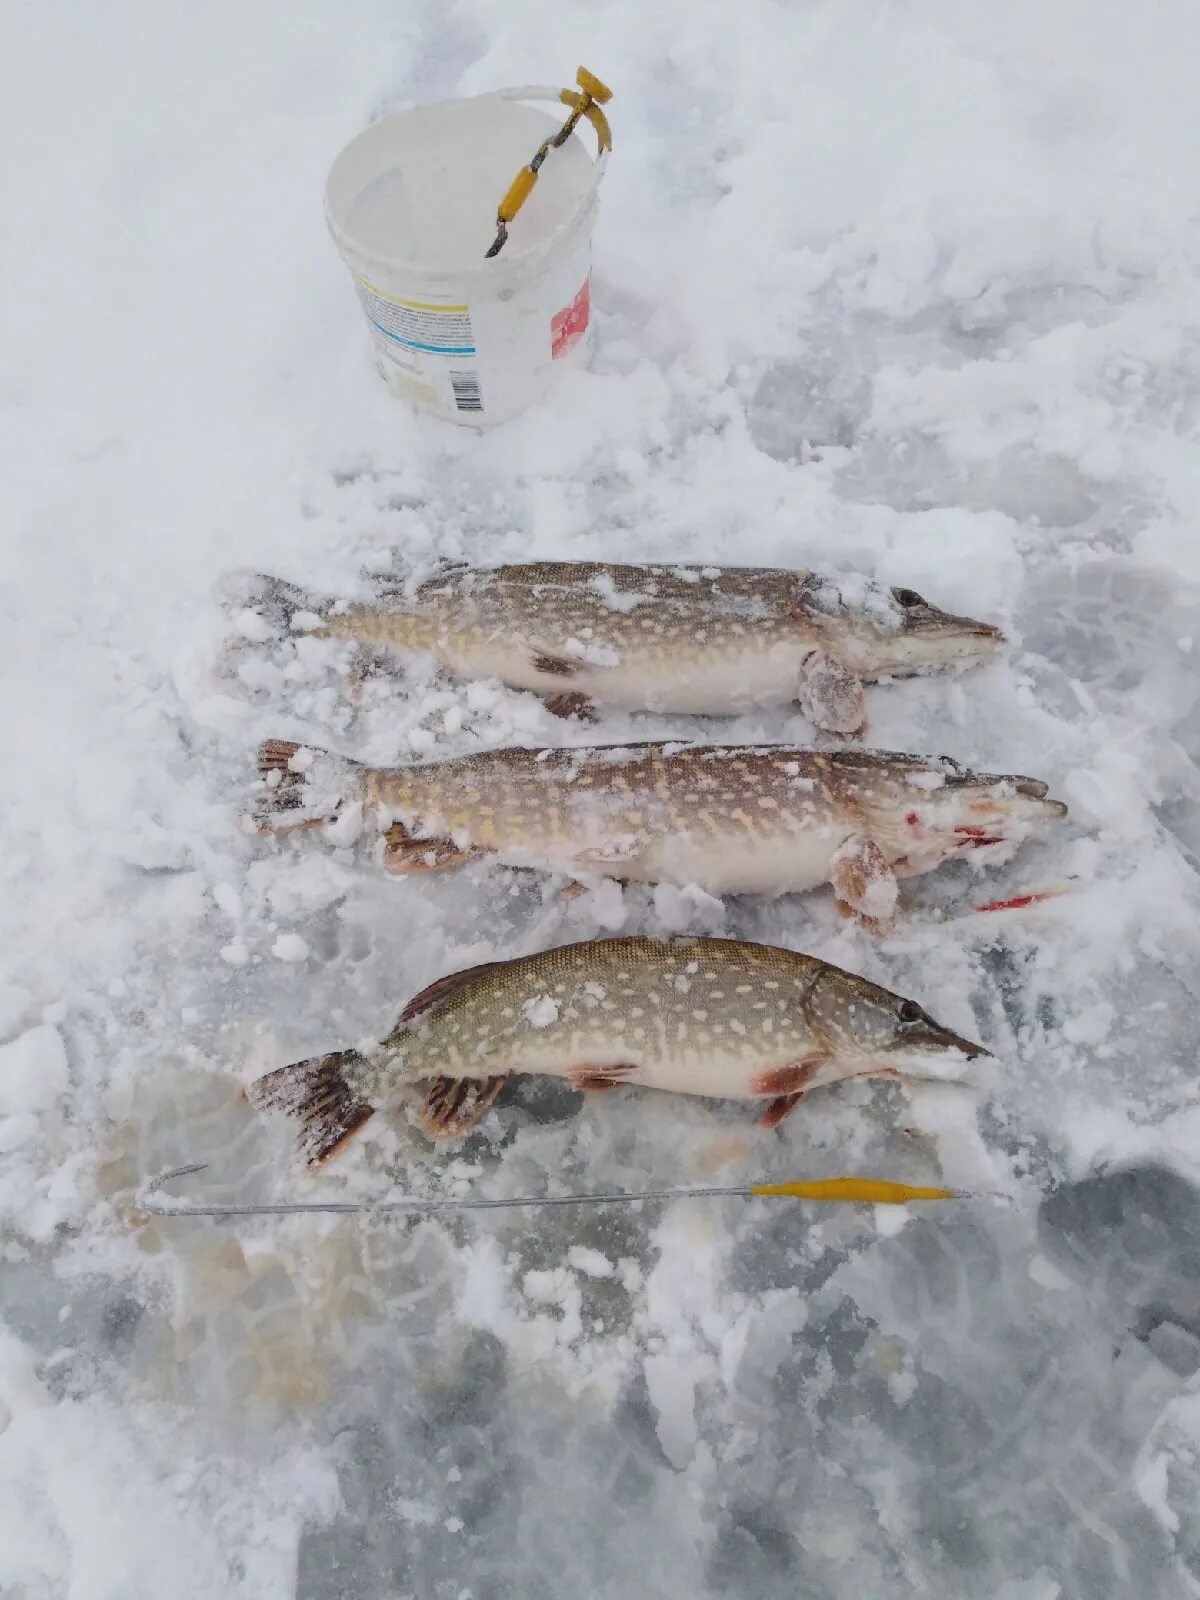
[614,852]
[555,665]
[570,704]
[886,1072]
[864,883]
[595,1080]
[453,1106]
[782,1106]
[831,696]
[794,1078]
[402,853]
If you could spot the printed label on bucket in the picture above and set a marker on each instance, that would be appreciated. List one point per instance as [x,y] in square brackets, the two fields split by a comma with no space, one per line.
[569,326]
[467,393]
[433,329]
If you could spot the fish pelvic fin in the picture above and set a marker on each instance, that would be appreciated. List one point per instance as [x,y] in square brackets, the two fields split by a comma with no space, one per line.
[300,786]
[320,1094]
[453,1106]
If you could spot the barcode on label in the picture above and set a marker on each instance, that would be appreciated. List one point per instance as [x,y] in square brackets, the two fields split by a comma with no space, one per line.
[466,391]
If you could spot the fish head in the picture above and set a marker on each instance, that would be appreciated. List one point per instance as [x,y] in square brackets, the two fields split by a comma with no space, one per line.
[925,810]
[881,632]
[865,1030]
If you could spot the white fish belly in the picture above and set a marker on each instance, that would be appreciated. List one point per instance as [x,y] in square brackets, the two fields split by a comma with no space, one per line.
[725,684]
[715,1072]
[722,865]
[787,863]
[696,1051]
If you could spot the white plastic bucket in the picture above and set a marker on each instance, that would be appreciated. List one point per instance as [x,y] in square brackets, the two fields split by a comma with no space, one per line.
[411,204]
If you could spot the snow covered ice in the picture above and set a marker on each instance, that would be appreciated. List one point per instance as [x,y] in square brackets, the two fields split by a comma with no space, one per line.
[900,292]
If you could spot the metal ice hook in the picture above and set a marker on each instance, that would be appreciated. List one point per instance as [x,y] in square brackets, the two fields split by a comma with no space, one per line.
[852,1190]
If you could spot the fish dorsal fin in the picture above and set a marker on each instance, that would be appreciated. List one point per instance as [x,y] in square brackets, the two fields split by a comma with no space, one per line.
[442,989]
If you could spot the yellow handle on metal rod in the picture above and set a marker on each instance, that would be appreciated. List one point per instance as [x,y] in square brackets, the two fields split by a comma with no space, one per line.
[587,104]
[518,192]
[870,1191]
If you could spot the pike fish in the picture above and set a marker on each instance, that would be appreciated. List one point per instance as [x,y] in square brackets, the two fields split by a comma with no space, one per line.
[702,640]
[714,1017]
[758,819]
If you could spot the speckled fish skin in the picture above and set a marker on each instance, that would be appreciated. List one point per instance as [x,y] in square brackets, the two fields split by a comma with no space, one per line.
[764,819]
[715,1017]
[672,639]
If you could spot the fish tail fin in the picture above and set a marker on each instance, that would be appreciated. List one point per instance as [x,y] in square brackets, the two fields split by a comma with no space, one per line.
[320,1093]
[300,786]
[282,605]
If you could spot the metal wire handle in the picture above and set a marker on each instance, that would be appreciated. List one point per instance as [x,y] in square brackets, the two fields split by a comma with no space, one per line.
[586,104]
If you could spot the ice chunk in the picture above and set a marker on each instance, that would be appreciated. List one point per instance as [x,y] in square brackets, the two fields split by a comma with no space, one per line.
[33,1071]
[672,1387]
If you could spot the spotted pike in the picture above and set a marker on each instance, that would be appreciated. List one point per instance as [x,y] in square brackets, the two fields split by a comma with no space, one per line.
[759,819]
[717,640]
[693,1016]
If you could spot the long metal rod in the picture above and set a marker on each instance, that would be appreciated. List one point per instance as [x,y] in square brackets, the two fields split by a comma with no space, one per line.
[150,1199]
[862,1191]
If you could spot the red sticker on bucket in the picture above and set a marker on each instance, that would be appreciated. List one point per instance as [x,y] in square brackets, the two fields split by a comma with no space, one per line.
[569,326]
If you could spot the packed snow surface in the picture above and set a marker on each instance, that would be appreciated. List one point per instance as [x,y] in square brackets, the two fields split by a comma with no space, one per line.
[895,292]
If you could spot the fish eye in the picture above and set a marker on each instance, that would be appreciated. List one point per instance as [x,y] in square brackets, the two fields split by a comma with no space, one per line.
[907,598]
[909,1011]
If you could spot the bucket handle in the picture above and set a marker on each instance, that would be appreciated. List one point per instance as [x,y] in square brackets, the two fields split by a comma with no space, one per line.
[584,104]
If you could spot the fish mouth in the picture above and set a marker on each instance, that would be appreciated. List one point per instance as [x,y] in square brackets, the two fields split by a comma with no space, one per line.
[995,784]
[951,635]
[964,1047]
[930,641]
[939,1053]
[927,619]
[1042,807]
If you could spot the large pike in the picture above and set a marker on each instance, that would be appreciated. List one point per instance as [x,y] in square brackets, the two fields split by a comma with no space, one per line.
[694,1016]
[759,819]
[700,639]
